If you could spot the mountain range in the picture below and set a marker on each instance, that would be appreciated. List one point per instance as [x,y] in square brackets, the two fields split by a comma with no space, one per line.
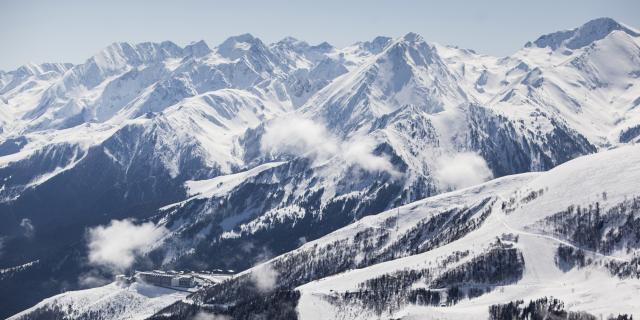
[393,178]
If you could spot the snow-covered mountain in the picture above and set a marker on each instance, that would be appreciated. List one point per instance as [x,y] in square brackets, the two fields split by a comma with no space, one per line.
[113,301]
[588,77]
[246,150]
[459,255]
[570,233]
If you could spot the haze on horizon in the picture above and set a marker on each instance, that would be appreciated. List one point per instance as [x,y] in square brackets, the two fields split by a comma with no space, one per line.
[71,31]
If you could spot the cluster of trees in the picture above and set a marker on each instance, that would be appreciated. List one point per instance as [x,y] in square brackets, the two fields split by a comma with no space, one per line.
[364,249]
[409,243]
[629,134]
[322,260]
[438,230]
[53,312]
[513,203]
[588,227]
[500,264]
[460,225]
[532,196]
[58,312]
[541,309]
[276,305]
[424,297]
[568,257]
[385,293]
[454,257]
[624,269]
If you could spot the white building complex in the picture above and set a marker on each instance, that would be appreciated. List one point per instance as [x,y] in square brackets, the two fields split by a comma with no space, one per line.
[165,279]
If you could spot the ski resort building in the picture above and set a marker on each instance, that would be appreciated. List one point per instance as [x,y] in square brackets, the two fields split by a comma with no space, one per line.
[164,279]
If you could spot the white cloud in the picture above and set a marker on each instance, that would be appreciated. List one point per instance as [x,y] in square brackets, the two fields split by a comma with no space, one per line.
[303,137]
[247,246]
[264,277]
[461,170]
[209,316]
[27,227]
[92,279]
[116,245]
[300,137]
[358,150]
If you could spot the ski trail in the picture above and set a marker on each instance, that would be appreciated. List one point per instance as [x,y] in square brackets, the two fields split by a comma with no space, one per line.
[501,216]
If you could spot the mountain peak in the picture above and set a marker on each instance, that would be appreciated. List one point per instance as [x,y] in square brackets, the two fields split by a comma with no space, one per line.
[582,36]
[376,45]
[236,46]
[324,46]
[381,40]
[241,38]
[412,37]
[289,40]
[197,49]
[291,43]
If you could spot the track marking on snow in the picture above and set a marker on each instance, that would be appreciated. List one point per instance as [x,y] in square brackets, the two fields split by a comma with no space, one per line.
[501,216]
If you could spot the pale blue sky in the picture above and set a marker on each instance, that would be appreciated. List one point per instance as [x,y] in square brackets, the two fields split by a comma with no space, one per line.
[71,31]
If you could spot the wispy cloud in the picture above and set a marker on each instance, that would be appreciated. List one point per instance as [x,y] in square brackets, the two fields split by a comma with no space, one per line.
[209,316]
[93,279]
[116,245]
[461,170]
[359,151]
[27,228]
[264,277]
[303,137]
[300,137]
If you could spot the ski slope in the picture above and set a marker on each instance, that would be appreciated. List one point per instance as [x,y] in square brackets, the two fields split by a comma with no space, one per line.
[590,289]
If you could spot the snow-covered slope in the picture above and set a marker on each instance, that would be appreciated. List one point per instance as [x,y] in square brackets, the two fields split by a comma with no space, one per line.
[120,134]
[406,72]
[607,180]
[570,233]
[403,108]
[566,75]
[110,302]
